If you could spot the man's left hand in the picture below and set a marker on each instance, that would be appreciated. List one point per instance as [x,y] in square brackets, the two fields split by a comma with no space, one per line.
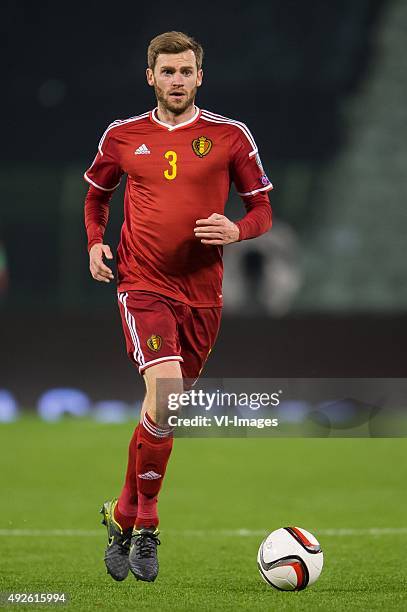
[217,230]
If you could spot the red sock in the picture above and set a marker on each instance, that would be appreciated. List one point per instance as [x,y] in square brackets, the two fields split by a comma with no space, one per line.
[154,449]
[125,511]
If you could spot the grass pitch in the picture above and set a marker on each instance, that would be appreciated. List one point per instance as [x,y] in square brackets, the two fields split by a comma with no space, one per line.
[54,478]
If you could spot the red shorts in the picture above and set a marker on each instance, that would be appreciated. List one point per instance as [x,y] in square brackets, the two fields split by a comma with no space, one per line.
[159,329]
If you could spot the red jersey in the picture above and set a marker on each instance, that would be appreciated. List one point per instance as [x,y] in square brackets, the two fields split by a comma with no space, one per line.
[176,175]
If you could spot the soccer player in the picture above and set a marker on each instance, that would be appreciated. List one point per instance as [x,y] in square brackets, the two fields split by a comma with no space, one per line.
[180,162]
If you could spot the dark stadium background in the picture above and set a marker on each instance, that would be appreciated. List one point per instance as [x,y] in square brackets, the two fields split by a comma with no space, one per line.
[321,86]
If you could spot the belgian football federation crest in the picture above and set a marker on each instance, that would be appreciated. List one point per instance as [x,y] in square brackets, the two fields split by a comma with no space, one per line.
[201,146]
[154,342]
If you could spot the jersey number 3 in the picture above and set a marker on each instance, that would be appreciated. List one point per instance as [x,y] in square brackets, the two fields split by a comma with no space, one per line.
[172,160]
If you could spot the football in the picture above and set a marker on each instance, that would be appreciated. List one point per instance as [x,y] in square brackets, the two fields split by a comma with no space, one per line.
[290,559]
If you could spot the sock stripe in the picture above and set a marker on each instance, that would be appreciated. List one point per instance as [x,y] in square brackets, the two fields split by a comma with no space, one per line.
[157,428]
[155,433]
[154,430]
[152,426]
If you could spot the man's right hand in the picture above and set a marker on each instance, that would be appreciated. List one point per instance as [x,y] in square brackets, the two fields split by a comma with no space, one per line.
[98,269]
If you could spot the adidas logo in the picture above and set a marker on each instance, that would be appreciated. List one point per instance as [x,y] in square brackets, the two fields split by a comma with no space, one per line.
[150,475]
[142,150]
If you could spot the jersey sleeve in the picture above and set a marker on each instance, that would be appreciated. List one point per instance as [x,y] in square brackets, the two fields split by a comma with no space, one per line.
[105,172]
[247,171]
[96,214]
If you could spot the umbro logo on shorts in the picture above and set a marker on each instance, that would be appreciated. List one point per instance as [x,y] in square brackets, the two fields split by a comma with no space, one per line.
[142,150]
[150,475]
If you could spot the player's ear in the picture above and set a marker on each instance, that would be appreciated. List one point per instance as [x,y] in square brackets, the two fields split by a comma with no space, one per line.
[199,77]
[150,77]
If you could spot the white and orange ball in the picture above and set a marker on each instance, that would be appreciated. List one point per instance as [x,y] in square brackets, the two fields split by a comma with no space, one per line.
[290,559]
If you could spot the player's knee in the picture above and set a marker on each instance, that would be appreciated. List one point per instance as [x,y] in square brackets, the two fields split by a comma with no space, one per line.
[162,382]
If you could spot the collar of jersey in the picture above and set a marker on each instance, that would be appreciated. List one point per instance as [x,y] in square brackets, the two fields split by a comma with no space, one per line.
[170,128]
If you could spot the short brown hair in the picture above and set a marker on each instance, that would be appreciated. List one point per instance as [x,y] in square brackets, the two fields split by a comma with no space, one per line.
[173,42]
